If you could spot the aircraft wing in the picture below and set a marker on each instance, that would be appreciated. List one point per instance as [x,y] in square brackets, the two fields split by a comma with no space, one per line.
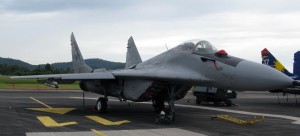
[75,76]
[162,74]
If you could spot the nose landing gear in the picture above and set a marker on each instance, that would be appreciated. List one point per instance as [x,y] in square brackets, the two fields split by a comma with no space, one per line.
[167,115]
[158,105]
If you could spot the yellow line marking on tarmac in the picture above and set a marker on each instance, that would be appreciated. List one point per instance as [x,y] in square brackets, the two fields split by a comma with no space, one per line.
[98,132]
[49,122]
[40,102]
[239,121]
[53,110]
[296,120]
[105,121]
[50,109]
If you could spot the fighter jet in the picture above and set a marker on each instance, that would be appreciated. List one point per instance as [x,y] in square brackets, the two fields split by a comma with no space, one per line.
[269,60]
[170,75]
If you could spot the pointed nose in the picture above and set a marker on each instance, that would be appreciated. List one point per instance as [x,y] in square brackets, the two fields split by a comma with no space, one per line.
[259,77]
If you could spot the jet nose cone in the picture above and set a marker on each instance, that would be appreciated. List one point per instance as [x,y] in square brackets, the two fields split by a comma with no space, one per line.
[261,77]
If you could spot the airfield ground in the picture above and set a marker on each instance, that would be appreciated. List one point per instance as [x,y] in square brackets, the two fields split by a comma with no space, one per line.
[137,119]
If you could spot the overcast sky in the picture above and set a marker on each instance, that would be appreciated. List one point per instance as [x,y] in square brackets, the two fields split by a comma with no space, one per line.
[38,31]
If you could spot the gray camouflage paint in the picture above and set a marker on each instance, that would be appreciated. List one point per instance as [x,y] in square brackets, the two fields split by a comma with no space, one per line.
[179,67]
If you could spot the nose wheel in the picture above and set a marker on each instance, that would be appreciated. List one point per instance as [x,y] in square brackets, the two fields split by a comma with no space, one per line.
[101,105]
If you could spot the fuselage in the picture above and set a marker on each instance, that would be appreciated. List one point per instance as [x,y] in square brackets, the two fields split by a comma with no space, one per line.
[204,65]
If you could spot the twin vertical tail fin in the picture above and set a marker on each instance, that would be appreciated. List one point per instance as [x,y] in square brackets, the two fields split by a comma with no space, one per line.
[132,57]
[79,65]
[270,60]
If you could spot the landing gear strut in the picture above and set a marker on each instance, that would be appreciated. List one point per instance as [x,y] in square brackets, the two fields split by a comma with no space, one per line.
[158,105]
[168,114]
[101,105]
[171,104]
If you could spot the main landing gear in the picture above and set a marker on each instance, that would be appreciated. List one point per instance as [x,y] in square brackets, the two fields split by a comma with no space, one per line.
[101,105]
[158,105]
[167,115]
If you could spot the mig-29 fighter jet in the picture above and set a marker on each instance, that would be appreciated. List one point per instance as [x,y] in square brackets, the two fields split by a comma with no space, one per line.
[170,75]
[269,60]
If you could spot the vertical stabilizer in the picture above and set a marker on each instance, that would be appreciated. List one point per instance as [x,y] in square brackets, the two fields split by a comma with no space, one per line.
[133,57]
[297,65]
[270,60]
[79,65]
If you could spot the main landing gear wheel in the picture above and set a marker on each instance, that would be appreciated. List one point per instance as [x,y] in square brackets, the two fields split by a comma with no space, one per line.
[101,105]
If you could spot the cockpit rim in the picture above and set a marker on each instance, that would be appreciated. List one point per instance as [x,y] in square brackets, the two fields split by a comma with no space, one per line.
[207,47]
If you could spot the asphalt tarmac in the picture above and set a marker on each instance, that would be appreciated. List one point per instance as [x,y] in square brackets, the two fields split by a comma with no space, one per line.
[51,113]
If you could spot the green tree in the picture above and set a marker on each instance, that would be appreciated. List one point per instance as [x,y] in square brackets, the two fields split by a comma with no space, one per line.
[47,69]
[37,70]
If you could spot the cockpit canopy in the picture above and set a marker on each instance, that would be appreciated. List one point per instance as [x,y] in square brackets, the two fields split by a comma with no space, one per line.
[196,46]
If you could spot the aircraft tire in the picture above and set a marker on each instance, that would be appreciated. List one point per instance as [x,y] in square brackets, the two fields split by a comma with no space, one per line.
[101,105]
